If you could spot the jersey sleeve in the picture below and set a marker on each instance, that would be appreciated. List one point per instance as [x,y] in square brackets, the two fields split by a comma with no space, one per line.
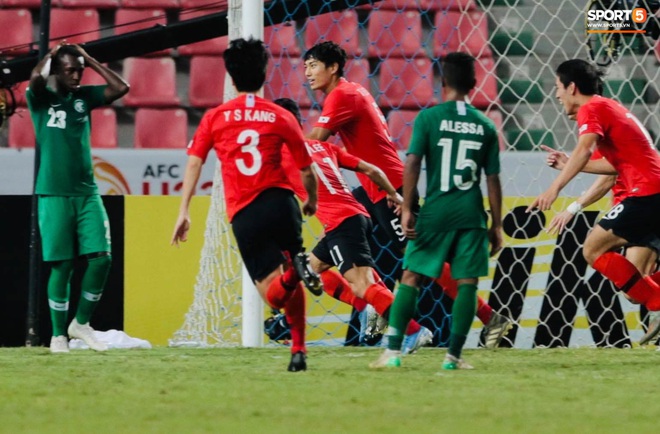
[345,160]
[419,138]
[492,163]
[337,110]
[588,121]
[295,141]
[202,142]
[94,95]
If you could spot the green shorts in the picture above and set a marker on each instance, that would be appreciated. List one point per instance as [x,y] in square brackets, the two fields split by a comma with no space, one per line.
[466,250]
[73,226]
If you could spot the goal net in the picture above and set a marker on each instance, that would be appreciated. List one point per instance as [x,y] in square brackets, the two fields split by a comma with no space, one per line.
[541,282]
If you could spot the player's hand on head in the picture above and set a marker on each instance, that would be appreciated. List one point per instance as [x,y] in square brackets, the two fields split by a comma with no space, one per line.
[559,223]
[181,229]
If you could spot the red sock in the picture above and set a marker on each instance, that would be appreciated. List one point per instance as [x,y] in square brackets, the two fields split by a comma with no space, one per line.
[450,287]
[627,278]
[413,327]
[655,277]
[337,287]
[277,295]
[290,278]
[377,277]
[380,297]
[294,311]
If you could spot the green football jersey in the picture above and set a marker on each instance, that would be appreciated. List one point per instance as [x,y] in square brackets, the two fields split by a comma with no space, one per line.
[62,127]
[458,142]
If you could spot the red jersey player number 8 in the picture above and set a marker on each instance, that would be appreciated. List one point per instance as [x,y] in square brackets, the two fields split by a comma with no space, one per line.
[251,137]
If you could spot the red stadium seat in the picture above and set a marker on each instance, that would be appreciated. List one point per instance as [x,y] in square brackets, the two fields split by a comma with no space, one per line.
[131,20]
[400,123]
[454,5]
[207,81]
[399,5]
[19,93]
[16,36]
[285,78]
[281,40]
[485,93]
[77,26]
[209,47]
[156,128]
[395,34]
[28,4]
[406,83]
[340,27]
[497,118]
[21,130]
[357,70]
[215,4]
[150,4]
[153,82]
[459,31]
[98,4]
[104,128]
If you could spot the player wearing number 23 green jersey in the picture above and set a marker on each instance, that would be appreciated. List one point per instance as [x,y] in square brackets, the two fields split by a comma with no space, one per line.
[458,143]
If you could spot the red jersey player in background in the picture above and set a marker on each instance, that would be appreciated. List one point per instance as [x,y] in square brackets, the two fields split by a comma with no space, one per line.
[248,134]
[350,111]
[347,225]
[643,257]
[628,152]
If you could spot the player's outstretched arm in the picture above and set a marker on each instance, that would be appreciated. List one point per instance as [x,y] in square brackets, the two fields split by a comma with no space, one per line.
[190,179]
[557,160]
[597,190]
[117,86]
[40,73]
[310,183]
[574,165]
[320,134]
[494,187]
[379,178]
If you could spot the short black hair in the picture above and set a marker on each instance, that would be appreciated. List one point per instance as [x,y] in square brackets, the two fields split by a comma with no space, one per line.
[64,50]
[246,62]
[291,106]
[458,72]
[329,53]
[588,78]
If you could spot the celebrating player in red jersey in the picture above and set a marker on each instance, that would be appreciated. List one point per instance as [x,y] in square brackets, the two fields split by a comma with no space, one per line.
[248,134]
[347,224]
[628,151]
[350,110]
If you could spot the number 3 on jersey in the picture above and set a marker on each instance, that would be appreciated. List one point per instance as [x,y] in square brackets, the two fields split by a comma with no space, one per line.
[250,140]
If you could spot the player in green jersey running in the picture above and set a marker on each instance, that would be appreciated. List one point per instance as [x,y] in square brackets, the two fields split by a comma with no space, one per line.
[72,219]
[458,143]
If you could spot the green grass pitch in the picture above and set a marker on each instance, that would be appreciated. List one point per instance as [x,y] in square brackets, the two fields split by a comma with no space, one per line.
[249,391]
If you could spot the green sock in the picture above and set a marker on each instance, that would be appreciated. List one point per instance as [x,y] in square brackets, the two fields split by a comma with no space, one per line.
[92,286]
[58,295]
[462,315]
[401,312]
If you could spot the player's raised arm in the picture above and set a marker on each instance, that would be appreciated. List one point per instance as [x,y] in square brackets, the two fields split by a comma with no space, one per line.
[574,165]
[597,190]
[117,86]
[40,73]
[557,160]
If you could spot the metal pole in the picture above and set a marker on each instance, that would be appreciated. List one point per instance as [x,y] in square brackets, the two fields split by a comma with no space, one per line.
[32,323]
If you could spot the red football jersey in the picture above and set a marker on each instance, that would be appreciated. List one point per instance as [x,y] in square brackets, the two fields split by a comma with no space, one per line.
[350,110]
[624,142]
[618,189]
[335,201]
[248,133]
